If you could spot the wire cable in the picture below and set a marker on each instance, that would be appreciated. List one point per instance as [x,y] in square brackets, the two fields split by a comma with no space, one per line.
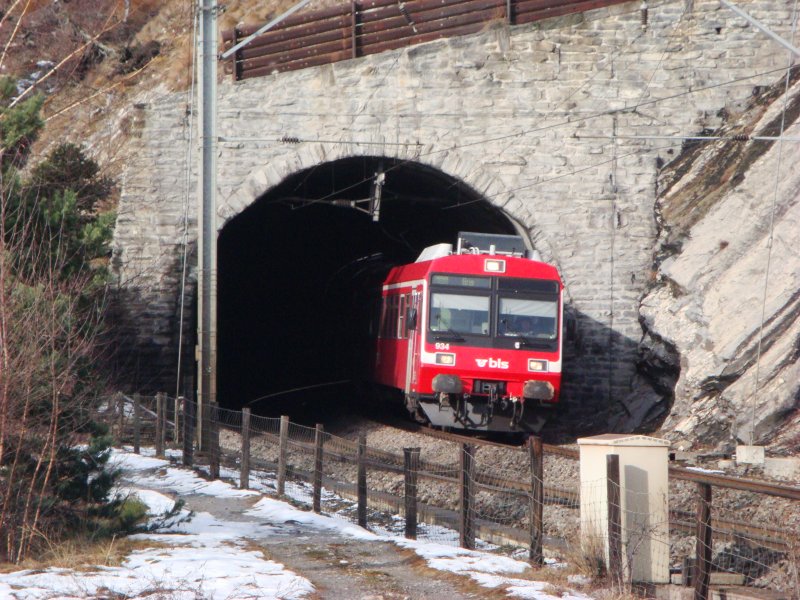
[771,229]
[482,141]
[185,239]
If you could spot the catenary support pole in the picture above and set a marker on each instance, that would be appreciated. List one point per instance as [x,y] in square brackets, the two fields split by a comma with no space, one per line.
[761,27]
[207,225]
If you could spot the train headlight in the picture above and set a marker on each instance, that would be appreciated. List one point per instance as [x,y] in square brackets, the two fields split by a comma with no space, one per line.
[537,366]
[493,265]
[443,358]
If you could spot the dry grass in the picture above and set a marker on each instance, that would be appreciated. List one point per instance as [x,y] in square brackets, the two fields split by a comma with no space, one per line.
[83,554]
[461,582]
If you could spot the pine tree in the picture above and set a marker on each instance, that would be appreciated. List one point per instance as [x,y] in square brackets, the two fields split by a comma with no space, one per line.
[52,483]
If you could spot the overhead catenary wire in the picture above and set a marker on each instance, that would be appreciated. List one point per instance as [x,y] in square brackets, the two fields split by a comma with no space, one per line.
[449,148]
[185,237]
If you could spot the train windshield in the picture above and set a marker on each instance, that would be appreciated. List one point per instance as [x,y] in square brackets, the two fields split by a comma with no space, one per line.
[459,313]
[521,317]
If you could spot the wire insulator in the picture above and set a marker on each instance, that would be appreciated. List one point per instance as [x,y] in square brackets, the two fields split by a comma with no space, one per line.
[643,10]
[401,6]
[740,137]
[288,139]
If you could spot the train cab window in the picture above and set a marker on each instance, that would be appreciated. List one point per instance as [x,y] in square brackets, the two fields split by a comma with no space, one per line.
[459,313]
[527,317]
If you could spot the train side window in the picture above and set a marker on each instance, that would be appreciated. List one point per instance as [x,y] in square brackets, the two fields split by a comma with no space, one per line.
[393,317]
[411,320]
[382,319]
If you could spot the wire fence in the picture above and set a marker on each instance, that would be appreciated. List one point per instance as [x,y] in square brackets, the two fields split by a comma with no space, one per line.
[485,497]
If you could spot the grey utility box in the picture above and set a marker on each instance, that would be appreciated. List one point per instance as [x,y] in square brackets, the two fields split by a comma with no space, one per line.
[644,491]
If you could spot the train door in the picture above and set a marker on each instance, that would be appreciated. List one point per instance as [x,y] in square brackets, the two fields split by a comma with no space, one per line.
[414,344]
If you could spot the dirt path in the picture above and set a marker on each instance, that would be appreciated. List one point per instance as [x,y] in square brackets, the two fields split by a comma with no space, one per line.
[341,567]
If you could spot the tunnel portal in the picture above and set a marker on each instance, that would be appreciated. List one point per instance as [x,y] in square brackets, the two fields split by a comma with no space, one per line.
[300,272]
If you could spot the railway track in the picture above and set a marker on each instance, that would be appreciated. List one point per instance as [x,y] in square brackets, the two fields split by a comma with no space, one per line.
[467,439]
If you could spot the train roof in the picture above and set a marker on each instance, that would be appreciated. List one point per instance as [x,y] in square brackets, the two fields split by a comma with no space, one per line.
[474,264]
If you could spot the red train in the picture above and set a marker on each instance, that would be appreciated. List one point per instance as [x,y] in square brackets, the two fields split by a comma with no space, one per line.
[472,337]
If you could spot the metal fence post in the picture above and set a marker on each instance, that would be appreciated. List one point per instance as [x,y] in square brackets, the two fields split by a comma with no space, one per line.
[410,469]
[536,500]
[615,569]
[283,444]
[188,432]
[467,529]
[362,479]
[318,458]
[137,424]
[702,572]
[244,475]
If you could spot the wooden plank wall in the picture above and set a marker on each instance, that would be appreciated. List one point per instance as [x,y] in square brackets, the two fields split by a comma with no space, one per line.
[365,27]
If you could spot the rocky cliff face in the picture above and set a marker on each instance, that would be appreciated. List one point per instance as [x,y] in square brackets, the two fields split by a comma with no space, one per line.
[725,305]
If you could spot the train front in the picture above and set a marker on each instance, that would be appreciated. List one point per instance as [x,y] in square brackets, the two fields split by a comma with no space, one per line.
[491,348]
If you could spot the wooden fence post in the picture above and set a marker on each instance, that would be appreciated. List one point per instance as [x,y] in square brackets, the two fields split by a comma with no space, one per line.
[214,452]
[318,458]
[536,554]
[615,568]
[687,572]
[119,405]
[244,475]
[188,432]
[410,470]
[282,447]
[702,571]
[467,529]
[180,413]
[137,424]
[161,418]
[362,479]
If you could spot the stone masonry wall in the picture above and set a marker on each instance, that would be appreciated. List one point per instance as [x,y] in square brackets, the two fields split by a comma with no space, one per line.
[562,123]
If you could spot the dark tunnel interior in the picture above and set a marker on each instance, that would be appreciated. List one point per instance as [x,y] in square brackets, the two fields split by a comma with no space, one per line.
[300,270]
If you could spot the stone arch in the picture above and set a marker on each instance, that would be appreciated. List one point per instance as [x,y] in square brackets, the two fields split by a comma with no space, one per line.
[450,162]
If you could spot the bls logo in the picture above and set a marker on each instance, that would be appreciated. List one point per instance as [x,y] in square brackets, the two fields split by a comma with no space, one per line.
[494,363]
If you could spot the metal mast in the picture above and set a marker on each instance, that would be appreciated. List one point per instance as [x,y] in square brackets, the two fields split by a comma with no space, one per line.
[207,223]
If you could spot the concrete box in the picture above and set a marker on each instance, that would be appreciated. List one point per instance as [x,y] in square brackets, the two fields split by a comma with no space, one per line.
[644,491]
[750,455]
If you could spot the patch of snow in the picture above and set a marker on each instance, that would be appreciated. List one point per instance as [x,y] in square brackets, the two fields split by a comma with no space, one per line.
[206,556]
[702,470]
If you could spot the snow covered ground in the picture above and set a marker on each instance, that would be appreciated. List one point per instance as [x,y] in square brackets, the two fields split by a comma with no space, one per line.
[204,557]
